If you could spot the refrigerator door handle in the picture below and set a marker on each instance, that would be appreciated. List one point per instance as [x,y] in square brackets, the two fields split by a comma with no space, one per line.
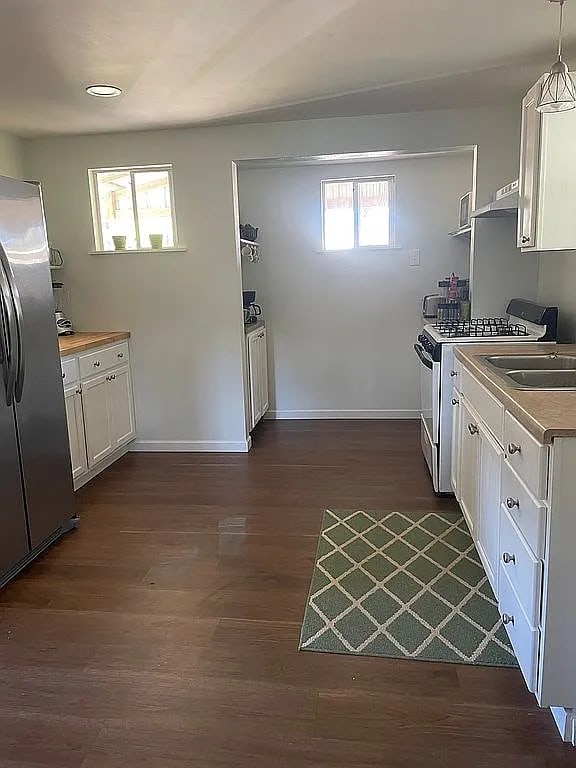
[15,376]
[5,344]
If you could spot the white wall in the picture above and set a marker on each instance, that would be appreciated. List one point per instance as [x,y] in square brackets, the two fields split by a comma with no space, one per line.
[185,309]
[11,160]
[341,326]
[557,287]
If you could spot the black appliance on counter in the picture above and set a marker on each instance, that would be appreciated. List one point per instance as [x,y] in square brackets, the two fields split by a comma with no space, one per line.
[252,311]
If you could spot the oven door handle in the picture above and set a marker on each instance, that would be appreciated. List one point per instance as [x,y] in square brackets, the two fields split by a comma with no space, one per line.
[424,358]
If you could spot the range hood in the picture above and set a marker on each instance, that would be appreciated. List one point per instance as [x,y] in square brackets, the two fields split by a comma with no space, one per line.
[505,206]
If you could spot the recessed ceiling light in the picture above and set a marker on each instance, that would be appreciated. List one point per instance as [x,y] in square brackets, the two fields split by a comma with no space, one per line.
[104,91]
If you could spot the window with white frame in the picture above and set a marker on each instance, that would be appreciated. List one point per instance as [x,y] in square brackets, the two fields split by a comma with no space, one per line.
[358,213]
[133,203]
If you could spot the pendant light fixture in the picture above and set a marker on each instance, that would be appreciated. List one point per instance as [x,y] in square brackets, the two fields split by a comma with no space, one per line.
[558,91]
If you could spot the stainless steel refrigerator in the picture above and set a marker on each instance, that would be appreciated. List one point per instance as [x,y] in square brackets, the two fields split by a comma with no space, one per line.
[36,491]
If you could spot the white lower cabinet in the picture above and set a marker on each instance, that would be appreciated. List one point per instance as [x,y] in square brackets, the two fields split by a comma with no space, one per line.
[523,635]
[517,496]
[469,465]
[257,374]
[489,473]
[97,418]
[99,410]
[121,406]
[76,434]
[455,474]
[477,476]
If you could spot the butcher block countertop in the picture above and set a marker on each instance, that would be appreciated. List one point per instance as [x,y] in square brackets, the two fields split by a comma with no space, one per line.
[545,414]
[80,342]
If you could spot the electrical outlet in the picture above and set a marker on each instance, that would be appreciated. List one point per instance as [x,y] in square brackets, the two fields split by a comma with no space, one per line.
[414,258]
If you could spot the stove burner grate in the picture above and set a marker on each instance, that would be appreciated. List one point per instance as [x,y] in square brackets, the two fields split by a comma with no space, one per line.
[493,327]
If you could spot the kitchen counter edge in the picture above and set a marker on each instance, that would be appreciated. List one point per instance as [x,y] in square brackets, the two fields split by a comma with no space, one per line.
[83,341]
[545,414]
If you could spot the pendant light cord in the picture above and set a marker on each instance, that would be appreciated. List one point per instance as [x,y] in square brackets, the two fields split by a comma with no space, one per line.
[560,30]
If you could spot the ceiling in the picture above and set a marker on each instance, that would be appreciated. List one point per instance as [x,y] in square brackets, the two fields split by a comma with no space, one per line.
[191,62]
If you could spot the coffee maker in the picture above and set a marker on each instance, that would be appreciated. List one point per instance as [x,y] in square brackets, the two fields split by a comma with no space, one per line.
[252,311]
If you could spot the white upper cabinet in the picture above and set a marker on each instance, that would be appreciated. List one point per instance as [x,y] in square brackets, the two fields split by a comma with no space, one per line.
[546,220]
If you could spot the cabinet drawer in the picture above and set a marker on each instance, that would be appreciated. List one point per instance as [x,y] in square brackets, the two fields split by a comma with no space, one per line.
[103,359]
[521,566]
[69,370]
[528,513]
[523,636]
[485,404]
[527,457]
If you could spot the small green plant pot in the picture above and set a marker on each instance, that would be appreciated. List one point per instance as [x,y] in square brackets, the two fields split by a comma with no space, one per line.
[119,242]
[156,241]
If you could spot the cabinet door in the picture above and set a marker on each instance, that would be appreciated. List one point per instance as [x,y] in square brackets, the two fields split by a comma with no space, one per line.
[264,372]
[76,436]
[255,379]
[489,474]
[121,406]
[456,428]
[529,169]
[469,459]
[97,419]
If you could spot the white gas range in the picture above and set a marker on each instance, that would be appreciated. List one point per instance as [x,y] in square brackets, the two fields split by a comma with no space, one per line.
[525,322]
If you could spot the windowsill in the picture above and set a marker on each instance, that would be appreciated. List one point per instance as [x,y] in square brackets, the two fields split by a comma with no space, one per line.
[361,248]
[171,249]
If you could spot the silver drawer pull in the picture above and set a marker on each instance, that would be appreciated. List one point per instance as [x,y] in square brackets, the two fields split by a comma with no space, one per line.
[120,355]
[453,373]
[508,558]
[513,448]
[97,364]
[455,401]
[507,619]
[511,503]
[63,376]
[473,429]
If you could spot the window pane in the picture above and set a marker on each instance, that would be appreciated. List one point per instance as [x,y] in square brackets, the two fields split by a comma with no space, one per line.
[116,214]
[338,215]
[154,206]
[374,212]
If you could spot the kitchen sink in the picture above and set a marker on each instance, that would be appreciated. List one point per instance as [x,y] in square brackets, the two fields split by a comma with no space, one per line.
[551,362]
[549,380]
[545,371]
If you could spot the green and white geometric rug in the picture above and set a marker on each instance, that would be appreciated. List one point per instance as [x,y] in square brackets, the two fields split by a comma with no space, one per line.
[402,585]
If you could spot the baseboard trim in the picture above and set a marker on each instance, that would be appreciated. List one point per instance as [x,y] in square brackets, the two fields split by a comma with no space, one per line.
[566,723]
[326,414]
[190,446]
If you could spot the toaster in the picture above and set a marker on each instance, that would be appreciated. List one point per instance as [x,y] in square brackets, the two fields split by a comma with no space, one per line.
[430,304]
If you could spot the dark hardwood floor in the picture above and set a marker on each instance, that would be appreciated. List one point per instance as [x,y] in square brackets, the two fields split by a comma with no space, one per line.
[163,633]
